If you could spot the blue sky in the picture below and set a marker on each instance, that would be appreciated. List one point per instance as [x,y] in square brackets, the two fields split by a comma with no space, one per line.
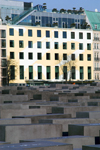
[68,4]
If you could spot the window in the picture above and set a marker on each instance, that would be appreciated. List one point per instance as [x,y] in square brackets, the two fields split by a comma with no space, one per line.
[38,33]
[11,55]
[80,35]
[94,45]
[56,56]
[47,56]
[11,43]
[64,34]
[65,72]
[30,44]
[88,36]
[39,44]
[88,46]
[80,46]
[72,35]
[56,45]
[29,32]
[95,26]
[80,56]
[21,44]
[12,72]
[30,55]
[73,46]
[73,56]
[3,62]
[3,43]
[64,56]
[89,72]
[30,72]
[21,55]
[48,70]
[39,72]
[3,33]
[47,33]
[48,45]
[56,72]
[3,52]
[11,31]
[73,72]
[89,57]
[97,46]
[20,32]
[4,72]
[21,72]
[64,45]
[39,56]
[56,34]
[81,73]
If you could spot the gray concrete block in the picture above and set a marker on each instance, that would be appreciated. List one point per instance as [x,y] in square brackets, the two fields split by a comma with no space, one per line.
[84,129]
[89,114]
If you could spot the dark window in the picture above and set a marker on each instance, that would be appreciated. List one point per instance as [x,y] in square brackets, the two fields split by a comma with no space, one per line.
[3,52]
[80,56]
[21,55]
[72,45]
[38,33]
[89,72]
[20,32]
[56,72]
[64,45]
[3,43]
[39,56]
[29,32]
[64,34]
[11,55]
[39,44]
[56,56]
[88,36]
[3,62]
[30,72]
[39,72]
[48,45]
[11,31]
[3,33]
[88,46]
[11,43]
[65,72]
[47,33]
[81,73]
[21,72]
[73,72]
[21,44]
[73,56]
[4,72]
[80,35]
[72,35]
[30,55]
[56,34]
[30,44]
[89,57]
[80,46]
[12,72]
[48,68]
[64,56]
[47,56]
[56,45]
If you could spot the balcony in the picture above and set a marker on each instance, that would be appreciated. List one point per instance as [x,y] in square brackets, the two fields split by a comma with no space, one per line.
[96,69]
[96,39]
[96,59]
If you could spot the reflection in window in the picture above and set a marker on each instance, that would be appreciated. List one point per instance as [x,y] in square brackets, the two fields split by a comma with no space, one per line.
[3,43]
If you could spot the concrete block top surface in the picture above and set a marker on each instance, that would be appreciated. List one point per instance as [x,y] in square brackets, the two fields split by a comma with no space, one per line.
[95,124]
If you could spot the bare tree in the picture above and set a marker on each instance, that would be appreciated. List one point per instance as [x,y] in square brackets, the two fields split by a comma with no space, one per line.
[66,64]
[12,70]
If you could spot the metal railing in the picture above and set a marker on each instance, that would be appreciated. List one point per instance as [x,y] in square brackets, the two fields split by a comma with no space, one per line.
[97,69]
[96,59]
[96,39]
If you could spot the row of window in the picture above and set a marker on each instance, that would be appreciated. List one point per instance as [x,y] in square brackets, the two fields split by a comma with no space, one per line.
[48,57]
[56,45]
[47,33]
[96,46]
[48,72]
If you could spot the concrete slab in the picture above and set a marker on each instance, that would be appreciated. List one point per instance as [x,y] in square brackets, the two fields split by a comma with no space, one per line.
[88,114]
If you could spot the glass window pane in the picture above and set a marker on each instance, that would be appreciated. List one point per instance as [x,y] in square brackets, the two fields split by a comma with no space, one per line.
[11,31]
[3,33]
[20,32]
[29,32]
[3,43]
